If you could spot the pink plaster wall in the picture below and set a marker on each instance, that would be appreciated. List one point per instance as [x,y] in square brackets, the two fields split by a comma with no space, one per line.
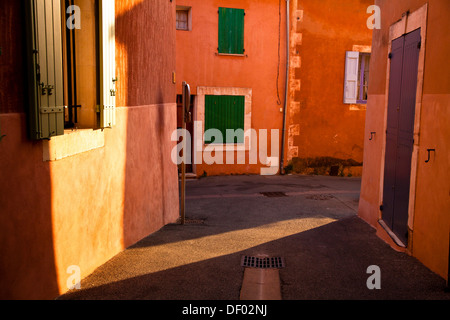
[84,209]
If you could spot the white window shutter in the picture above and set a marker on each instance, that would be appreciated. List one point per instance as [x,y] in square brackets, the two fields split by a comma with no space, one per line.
[44,47]
[351,76]
[107,64]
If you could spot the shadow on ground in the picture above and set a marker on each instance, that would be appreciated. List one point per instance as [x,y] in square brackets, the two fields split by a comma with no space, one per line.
[327,262]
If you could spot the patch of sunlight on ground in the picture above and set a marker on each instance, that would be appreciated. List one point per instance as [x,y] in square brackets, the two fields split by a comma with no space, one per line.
[175,254]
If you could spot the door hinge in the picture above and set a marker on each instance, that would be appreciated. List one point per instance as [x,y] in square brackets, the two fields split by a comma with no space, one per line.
[419,44]
[390,55]
[381,208]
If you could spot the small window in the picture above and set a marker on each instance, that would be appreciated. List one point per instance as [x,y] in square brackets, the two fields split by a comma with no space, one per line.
[356,77]
[80,68]
[231,31]
[184,18]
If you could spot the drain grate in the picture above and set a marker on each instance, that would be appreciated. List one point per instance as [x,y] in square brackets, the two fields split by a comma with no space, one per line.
[320,197]
[262,263]
[274,194]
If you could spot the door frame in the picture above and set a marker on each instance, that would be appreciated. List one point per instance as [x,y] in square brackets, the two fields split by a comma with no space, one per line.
[408,23]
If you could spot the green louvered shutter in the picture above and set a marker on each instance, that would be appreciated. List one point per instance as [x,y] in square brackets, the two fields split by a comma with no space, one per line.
[231,31]
[107,64]
[225,112]
[45,69]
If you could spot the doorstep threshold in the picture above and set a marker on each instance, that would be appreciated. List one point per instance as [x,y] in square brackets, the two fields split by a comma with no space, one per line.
[391,233]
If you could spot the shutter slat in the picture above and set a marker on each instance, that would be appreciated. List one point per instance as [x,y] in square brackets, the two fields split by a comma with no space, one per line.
[49,117]
[108,100]
[44,127]
[112,63]
[58,90]
[49,34]
[32,47]
[42,77]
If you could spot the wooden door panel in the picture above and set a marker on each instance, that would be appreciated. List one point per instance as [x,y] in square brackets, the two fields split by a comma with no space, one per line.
[400,132]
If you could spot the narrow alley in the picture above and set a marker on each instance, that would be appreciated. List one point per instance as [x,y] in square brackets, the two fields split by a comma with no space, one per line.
[225,151]
[309,221]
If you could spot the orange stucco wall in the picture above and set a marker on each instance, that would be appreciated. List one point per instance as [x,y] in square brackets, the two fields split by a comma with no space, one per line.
[199,65]
[84,209]
[429,219]
[319,123]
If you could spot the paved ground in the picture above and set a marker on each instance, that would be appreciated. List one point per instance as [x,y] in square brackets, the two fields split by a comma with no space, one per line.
[326,247]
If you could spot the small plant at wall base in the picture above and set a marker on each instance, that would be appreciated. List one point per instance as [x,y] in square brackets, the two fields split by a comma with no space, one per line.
[289,168]
[324,166]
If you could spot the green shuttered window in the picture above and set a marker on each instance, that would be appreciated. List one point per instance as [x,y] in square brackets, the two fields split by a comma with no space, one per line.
[231,31]
[225,112]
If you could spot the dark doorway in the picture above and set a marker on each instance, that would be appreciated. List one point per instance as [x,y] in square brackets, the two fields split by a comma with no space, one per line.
[400,132]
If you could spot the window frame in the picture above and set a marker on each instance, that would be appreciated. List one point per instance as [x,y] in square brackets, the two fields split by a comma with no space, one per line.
[71,64]
[361,69]
[188,11]
[354,77]
[199,117]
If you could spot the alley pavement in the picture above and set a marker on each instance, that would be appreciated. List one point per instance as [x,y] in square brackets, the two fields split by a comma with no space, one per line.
[310,221]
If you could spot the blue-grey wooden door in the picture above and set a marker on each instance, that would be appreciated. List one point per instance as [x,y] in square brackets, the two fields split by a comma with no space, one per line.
[400,132]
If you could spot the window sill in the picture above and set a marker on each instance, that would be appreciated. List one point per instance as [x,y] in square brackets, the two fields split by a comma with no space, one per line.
[357,107]
[72,143]
[243,55]
[226,147]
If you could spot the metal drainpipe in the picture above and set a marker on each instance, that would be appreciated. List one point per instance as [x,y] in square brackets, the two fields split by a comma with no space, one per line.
[448,266]
[283,138]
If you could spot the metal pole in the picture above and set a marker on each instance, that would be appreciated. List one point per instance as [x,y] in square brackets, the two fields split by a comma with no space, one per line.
[186,105]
